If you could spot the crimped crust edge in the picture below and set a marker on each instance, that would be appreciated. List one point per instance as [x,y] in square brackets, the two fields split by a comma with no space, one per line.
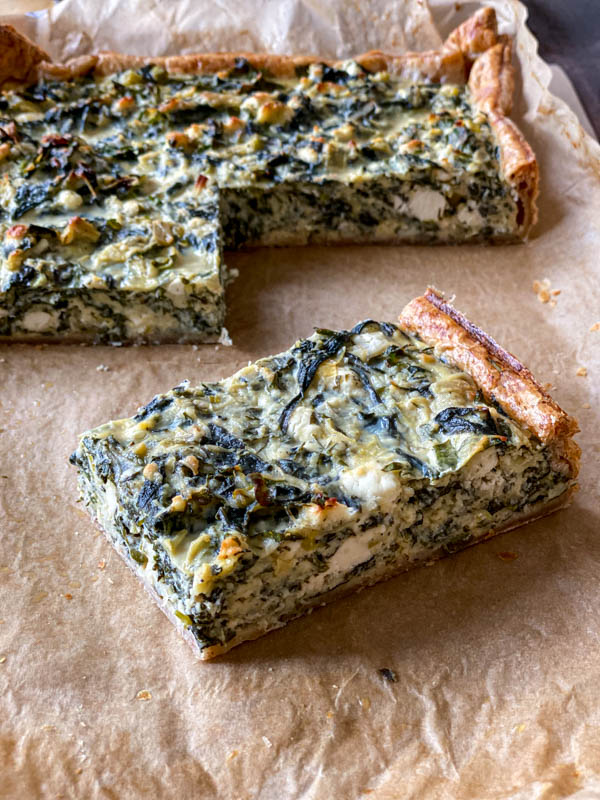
[500,376]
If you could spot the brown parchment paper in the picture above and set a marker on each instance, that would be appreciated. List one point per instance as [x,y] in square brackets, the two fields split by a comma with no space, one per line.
[496,650]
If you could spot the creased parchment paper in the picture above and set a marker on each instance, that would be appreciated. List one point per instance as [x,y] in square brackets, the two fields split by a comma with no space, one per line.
[496,650]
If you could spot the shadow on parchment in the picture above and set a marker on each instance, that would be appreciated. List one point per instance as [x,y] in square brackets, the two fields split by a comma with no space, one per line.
[465,597]
[281,293]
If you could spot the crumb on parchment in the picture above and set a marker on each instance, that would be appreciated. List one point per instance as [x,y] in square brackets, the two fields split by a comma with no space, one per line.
[388,675]
[545,293]
[225,338]
[143,694]
[520,728]
[581,372]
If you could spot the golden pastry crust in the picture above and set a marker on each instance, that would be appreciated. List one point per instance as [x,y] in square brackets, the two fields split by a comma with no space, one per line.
[444,66]
[473,53]
[19,57]
[475,36]
[498,374]
[491,81]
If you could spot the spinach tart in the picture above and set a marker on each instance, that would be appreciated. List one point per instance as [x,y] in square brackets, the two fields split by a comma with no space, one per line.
[123,178]
[349,458]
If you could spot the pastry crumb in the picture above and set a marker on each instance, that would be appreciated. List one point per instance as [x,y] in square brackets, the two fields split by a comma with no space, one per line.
[2,659]
[143,694]
[225,338]
[586,405]
[101,564]
[507,555]
[150,470]
[542,289]
[233,754]
[595,327]
[68,596]
[520,728]
[581,372]
[545,293]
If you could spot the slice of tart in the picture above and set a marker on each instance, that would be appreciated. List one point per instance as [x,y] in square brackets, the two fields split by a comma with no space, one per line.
[123,177]
[349,458]
[128,271]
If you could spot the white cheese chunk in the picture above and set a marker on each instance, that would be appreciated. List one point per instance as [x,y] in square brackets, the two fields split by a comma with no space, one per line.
[69,200]
[38,321]
[426,204]
[371,344]
[301,427]
[370,484]
[350,554]
[470,217]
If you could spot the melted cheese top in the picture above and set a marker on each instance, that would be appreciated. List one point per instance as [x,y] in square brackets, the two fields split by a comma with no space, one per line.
[292,446]
[113,181]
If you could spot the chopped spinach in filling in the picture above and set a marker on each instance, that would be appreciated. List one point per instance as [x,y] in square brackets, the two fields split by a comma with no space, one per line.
[241,502]
[118,193]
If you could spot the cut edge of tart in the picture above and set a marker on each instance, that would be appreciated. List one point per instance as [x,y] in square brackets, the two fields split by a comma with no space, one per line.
[348,459]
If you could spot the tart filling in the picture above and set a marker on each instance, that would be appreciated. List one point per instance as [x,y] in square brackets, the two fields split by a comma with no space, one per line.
[119,191]
[349,457]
